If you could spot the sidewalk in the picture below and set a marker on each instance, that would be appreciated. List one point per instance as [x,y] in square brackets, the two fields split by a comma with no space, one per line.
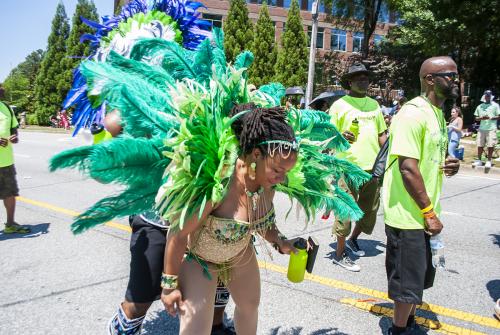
[481,170]
[46,129]
[470,156]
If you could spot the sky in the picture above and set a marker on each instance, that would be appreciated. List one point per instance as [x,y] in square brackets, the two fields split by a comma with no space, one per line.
[25,27]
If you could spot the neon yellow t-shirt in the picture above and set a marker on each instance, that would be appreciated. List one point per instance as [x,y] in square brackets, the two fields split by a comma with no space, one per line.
[491,110]
[6,122]
[371,123]
[418,131]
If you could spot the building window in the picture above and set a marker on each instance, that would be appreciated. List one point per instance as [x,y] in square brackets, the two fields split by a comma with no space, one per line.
[216,20]
[319,37]
[338,40]
[276,3]
[359,12]
[304,4]
[357,41]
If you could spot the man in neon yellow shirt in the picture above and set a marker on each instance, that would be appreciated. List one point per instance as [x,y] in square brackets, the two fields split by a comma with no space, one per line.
[487,114]
[412,188]
[360,120]
[8,183]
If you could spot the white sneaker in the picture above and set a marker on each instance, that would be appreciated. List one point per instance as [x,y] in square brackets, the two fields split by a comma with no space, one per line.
[477,163]
[487,165]
[346,262]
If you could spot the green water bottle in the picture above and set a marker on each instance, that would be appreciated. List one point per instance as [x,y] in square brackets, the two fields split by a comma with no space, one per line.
[355,128]
[99,134]
[298,262]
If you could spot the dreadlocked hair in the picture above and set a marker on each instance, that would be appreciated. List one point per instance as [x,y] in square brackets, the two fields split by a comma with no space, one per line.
[259,125]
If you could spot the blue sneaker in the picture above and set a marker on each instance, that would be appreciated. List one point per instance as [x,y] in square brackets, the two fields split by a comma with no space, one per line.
[120,325]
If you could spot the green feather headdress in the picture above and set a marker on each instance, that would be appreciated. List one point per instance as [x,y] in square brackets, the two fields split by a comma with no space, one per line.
[178,144]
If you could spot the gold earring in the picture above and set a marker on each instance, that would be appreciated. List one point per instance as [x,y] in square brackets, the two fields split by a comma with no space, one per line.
[251,172]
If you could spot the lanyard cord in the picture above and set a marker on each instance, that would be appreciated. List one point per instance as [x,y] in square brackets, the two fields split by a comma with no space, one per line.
[443,143]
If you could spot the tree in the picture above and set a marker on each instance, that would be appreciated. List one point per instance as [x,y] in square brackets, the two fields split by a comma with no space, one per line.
[351,12]
[75,50]
[20,83]
[48,96]
[292,64]
[264,49]
[443,27]
[238,30]
[396,67]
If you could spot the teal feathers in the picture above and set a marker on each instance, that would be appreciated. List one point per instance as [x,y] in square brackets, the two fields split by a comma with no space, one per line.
[74,158]
[316,126]
[138,164]
[145,109]
[127,203]
[272,93]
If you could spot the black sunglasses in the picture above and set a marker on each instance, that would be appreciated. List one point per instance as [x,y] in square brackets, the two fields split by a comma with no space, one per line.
[450,75]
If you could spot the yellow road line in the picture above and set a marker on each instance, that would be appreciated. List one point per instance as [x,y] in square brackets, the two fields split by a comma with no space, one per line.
[428,323]
[69,212]
[453,313]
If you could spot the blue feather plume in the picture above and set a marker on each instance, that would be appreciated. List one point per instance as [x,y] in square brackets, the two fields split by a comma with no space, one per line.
[184,12]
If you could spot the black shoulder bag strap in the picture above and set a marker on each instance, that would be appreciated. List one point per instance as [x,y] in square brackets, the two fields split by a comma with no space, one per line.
[379,167]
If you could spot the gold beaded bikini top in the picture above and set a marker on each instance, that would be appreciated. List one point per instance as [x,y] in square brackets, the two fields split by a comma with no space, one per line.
[220,240]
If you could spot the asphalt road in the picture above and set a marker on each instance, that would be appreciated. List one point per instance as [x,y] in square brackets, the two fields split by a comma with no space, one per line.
[55,283]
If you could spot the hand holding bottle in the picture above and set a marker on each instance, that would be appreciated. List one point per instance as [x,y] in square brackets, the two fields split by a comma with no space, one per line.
[433,225]
[349,136]
[352,134]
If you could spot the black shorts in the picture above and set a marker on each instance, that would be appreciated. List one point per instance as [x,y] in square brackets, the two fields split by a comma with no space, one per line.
[408,264]
[147,247]
[8,181]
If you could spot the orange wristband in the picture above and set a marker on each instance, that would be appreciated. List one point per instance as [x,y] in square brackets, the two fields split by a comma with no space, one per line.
[429,215]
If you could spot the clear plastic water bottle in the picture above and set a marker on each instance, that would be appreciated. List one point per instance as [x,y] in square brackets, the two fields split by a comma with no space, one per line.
[437,249]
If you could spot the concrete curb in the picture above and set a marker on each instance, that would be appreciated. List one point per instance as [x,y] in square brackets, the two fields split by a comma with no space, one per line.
[480,170]
[45,130]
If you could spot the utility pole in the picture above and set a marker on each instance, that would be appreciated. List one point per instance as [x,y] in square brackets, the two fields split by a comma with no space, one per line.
[312,54]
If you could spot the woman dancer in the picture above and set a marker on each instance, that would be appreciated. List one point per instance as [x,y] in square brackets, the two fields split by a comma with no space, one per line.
[221,239]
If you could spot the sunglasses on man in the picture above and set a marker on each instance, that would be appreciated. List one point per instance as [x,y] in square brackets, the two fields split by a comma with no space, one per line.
[448,75]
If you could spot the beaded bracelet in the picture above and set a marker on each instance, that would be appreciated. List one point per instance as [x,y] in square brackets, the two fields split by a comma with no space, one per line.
[427,209]
[169,281]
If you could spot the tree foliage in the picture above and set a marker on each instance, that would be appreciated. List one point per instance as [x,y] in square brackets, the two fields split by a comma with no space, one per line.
[238,30]
[48,91]
[75,50]
[20,83]
[264,49]
[466,30]
[357,14]
[292,63]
